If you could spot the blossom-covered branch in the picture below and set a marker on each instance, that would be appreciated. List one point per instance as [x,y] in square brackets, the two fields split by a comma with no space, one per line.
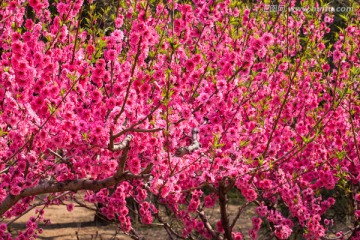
[79,184]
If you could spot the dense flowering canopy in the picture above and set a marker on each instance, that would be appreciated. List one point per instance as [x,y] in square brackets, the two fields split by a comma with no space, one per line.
[172,98]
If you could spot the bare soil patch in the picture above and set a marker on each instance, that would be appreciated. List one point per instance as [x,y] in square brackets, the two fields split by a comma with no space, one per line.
[79,224]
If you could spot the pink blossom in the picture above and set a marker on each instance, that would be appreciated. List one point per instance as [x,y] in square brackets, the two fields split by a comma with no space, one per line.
[70,207]
[283,231]
[267,39]
[179,104]
[357,197]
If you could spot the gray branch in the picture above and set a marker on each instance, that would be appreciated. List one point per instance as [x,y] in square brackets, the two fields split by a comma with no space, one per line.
[182,151]
[71,185]
[208,226]
[124,143]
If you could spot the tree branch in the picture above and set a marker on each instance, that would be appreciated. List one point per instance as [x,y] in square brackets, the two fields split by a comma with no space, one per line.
[123,144]
[223,211]
[132,127]
[71,185]
[76,185]
[167,227]
[32,207]
[208,226]
[182,151]
[238,214]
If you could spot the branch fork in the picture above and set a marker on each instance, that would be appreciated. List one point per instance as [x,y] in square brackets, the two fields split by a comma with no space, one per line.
[182,151]
[77,184]
[125,143]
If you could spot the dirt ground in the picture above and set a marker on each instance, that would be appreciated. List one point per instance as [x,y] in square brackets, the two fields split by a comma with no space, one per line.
[79,225]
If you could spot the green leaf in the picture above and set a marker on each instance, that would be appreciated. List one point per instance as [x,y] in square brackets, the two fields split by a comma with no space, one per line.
[340,155]
[244,143]
[92,7]
[261,160]
[344,17]
[217,144]
[2,132]
[306,139]
[271,165]
[51,108]
[62,92]
[85,135]
[355,71]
